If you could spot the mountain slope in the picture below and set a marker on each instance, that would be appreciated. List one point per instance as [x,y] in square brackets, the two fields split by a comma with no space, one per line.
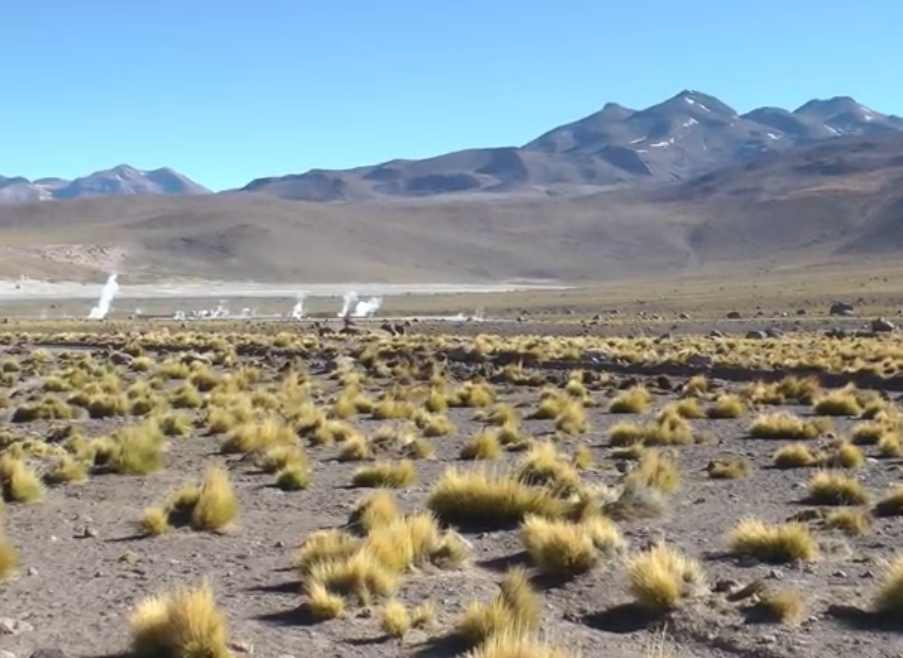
[687,135]
[122,180]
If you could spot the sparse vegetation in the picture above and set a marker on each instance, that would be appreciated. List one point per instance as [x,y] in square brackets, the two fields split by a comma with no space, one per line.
[785,542]
[662,577]
[833,488]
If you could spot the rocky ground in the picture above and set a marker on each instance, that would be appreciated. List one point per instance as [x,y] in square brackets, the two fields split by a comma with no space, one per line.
[84,563]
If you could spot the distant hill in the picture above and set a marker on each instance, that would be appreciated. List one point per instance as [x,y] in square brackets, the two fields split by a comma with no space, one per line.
[683,137]
[122,180]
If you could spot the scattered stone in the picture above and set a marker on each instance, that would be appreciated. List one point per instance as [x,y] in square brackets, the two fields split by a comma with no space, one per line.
[9,626]
[684,316]
[714,333]
[842,309]
[776,574]
[31,571]
[839,574]
[756,335]
[883,325]
[663,383]
[734,315]
[88,532]
[242,646]
[726,585]
[774,332]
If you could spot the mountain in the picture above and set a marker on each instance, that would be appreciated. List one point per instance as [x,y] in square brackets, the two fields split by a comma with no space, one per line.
[122,180]
[685,136]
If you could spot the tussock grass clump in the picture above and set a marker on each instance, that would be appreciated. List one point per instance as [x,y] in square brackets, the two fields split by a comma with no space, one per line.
[323,604]
[280,456]
[572,419]
[890,445]
[851,521]
[186,397]
[47,409]
[433,424]
[543,466]
[66,469]
[394,618]
[138,450]
[355,448]
[515,610]
[889,599]
[726,406]
[500,415]
[482,498]
[472,394]
[785,606]
[155,521]
[565,548]
[892,503]
[845,455]
[626,434]
[257,436]
[183,624]
[18,482]
[833,488]
[783,425]
[794,455]
[174,424]
[668,429]
[325,546]
[583,458]
[656,470]
[868,433]
[688,408]
[842,402]
[731,468]
[695,386]
[484,445]
[293,476]
[393,475]
[662,577]
[636,501]
[360,575]
[634,400]
[784,542]
[376,511]
[9,557]
[516,645]
[217,505]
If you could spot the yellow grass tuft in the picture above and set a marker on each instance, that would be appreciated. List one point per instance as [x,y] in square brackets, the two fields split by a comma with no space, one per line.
[892,503]
[834,488]
[889,599]
[482,498]
[216,506]
[514,610]
[634,400]
[786,606]
[394,475]
[726,406]
[853,522]
[138,450]
[794,455]
[484,445]
[361,575]
[783,425]
[18,482]
[842,402]
[323,604]
[183,624]
[377,510]
[155,521]
[662,577]
[512,644]
[656,470]
[565,548]
[9,557]
[785,542]
[730,468]
[395,619]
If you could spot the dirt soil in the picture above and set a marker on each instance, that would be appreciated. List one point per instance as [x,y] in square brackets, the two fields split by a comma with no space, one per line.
[84,564]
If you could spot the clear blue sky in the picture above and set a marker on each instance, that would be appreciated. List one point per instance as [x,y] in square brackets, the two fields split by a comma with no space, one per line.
[228,91]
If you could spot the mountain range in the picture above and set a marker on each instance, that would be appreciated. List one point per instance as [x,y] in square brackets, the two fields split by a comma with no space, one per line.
[122,180]
[684,186]
[685,136]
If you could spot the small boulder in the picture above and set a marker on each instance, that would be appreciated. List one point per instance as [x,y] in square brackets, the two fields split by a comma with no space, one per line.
[883,325]
[734,315]
[842,309]
[756,334]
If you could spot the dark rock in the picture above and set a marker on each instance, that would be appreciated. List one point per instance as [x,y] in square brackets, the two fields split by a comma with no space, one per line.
[883,325]
[756,334]
[734,315]
[841,308]
[774,332]
[664,383]
[48,653]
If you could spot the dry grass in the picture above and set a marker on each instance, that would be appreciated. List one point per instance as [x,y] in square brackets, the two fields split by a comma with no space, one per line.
[512,644]
[491,499]
[890,446]
[635,400]
[560,548]
[182,624]
[783,425]
[138,449]
[785,542]
[393,475]
[155,521]
[360,575]
[217,505]
[543,466]
[484,445]
[325,546]
[786,606]
[730,468]
[9,557]
[853,522]
[795,455]
[834,488]
[377,510]
[323,604]
[293,476]
[394,619]
[726,406]
[662,577]
[842,402]
[18,482]
[889,599]
[845,455]
[514,610]
[656,470]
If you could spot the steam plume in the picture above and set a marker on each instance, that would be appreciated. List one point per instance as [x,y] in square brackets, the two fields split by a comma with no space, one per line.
[110,288]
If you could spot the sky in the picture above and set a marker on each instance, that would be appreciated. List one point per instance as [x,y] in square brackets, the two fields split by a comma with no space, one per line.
[227,91]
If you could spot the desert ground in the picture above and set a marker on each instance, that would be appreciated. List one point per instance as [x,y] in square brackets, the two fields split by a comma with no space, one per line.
[596,471]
